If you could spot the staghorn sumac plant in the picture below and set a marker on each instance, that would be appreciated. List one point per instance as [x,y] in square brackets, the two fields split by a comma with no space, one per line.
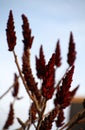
[61,91]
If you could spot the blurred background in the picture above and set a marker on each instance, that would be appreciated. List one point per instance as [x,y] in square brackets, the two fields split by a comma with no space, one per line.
[49,21]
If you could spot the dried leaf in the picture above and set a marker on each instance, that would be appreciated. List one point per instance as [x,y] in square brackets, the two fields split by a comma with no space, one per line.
[19,98]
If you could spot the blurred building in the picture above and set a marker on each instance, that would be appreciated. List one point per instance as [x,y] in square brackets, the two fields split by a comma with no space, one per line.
[77,105]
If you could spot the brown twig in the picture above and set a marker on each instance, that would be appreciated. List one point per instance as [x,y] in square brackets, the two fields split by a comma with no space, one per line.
[21,123]
[80,115]
[28,121]
[6,92]
[41,114]
[81,121]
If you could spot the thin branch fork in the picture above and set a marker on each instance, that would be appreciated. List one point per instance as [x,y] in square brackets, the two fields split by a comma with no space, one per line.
[41,114]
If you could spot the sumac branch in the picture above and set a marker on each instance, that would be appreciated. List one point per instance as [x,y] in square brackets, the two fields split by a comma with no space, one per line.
[45,72]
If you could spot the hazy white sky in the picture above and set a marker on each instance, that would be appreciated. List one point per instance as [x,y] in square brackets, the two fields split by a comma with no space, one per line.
[50,20]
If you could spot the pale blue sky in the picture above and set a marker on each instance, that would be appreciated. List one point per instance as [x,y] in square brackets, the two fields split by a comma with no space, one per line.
[50,20]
